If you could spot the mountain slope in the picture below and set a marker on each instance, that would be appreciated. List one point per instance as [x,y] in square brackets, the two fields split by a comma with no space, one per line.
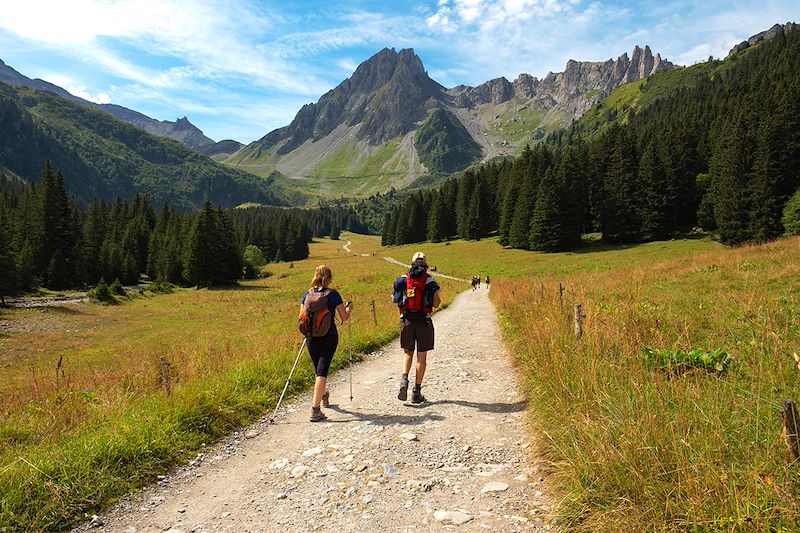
[181,130]
[102,157]
[370,116]
[444,144]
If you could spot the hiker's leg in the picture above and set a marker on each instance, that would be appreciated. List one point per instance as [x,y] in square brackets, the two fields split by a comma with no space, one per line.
[408,357]
[422,362]
[319,389]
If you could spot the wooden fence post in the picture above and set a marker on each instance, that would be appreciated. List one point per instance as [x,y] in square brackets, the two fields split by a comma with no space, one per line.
[791,428]
[165,374]
[561,296]
[374,313]
[541,293]
[578,322]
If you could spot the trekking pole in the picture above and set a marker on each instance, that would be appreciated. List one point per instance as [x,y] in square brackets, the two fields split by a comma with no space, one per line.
[350,344]
[302,347]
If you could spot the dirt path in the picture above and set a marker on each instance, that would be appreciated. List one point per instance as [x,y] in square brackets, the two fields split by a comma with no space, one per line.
[459,462]
[439,274]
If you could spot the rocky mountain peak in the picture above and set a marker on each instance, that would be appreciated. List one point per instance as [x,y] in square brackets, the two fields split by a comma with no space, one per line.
[384,97]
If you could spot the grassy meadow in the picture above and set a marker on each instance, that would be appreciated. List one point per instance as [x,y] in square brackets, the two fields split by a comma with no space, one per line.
[631,447]
[84,416]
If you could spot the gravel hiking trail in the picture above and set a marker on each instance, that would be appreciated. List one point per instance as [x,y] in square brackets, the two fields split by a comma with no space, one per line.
[462,461]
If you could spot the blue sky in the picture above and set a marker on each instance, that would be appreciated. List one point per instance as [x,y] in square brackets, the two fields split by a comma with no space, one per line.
[241,68]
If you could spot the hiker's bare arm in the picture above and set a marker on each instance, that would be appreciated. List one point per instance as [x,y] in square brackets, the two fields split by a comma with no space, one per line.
[344,312]
[437,301]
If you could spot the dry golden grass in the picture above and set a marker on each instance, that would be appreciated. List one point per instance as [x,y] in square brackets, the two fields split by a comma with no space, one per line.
[637,449]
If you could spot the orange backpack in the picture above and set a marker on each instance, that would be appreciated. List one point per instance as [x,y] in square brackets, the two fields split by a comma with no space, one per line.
[315,317]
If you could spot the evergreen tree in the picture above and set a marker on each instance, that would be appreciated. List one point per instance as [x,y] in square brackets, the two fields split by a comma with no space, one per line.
[729,169]
[547,219]
[436,219]
[791,215]
[59,238]
[8,280]
[200,254]
[656,206]
[764,182]
[621,200]
[389,228]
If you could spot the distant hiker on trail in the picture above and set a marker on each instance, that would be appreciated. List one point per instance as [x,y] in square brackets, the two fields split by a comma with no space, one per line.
[487,282]
[416,294]
[478,281]
[317,316]
[473,283]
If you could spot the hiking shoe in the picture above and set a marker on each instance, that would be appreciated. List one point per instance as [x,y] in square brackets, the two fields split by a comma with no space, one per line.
[326,399]
[317,414]
[403,394]
[416,395]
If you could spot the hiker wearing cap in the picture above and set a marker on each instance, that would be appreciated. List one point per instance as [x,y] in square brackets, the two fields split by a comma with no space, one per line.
[318,307]
[416,294]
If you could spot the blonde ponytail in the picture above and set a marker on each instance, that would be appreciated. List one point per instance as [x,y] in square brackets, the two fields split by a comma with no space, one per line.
[322,277]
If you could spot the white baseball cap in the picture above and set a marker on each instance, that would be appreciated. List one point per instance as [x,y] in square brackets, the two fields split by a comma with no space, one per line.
[418,257]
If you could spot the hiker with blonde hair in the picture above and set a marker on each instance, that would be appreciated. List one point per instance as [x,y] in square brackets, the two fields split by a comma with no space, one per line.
[317,309]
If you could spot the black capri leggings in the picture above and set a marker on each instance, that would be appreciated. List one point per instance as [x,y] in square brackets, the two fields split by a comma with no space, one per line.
[321,350]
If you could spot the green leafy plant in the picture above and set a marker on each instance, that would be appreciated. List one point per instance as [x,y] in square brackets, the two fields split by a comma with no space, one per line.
[678,360]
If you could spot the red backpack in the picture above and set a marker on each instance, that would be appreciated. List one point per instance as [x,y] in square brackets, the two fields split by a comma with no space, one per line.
[315,317]
[416,305]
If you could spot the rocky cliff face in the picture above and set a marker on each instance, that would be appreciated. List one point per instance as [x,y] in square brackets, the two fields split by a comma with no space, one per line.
[387,95]
[581,85]
[181,130]
[764,35]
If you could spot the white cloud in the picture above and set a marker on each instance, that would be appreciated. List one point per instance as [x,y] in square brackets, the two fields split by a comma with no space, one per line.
[211,39]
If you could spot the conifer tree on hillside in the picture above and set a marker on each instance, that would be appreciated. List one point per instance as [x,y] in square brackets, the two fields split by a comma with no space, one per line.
[480,212]
[770,178]
[572,200]
[729,168]
[94,227]
[200,254]
[58,245]
[547,220]
[8,281]
[655,212]
[436,219]
[389,228]
[507,210]
[466,185]
[621,209]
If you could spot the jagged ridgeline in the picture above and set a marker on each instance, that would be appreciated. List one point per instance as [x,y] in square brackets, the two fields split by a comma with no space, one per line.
[391,126]
[102,157]
[713,145]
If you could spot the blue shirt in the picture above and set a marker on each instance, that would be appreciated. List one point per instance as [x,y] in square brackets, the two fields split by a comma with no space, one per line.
[334,300]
